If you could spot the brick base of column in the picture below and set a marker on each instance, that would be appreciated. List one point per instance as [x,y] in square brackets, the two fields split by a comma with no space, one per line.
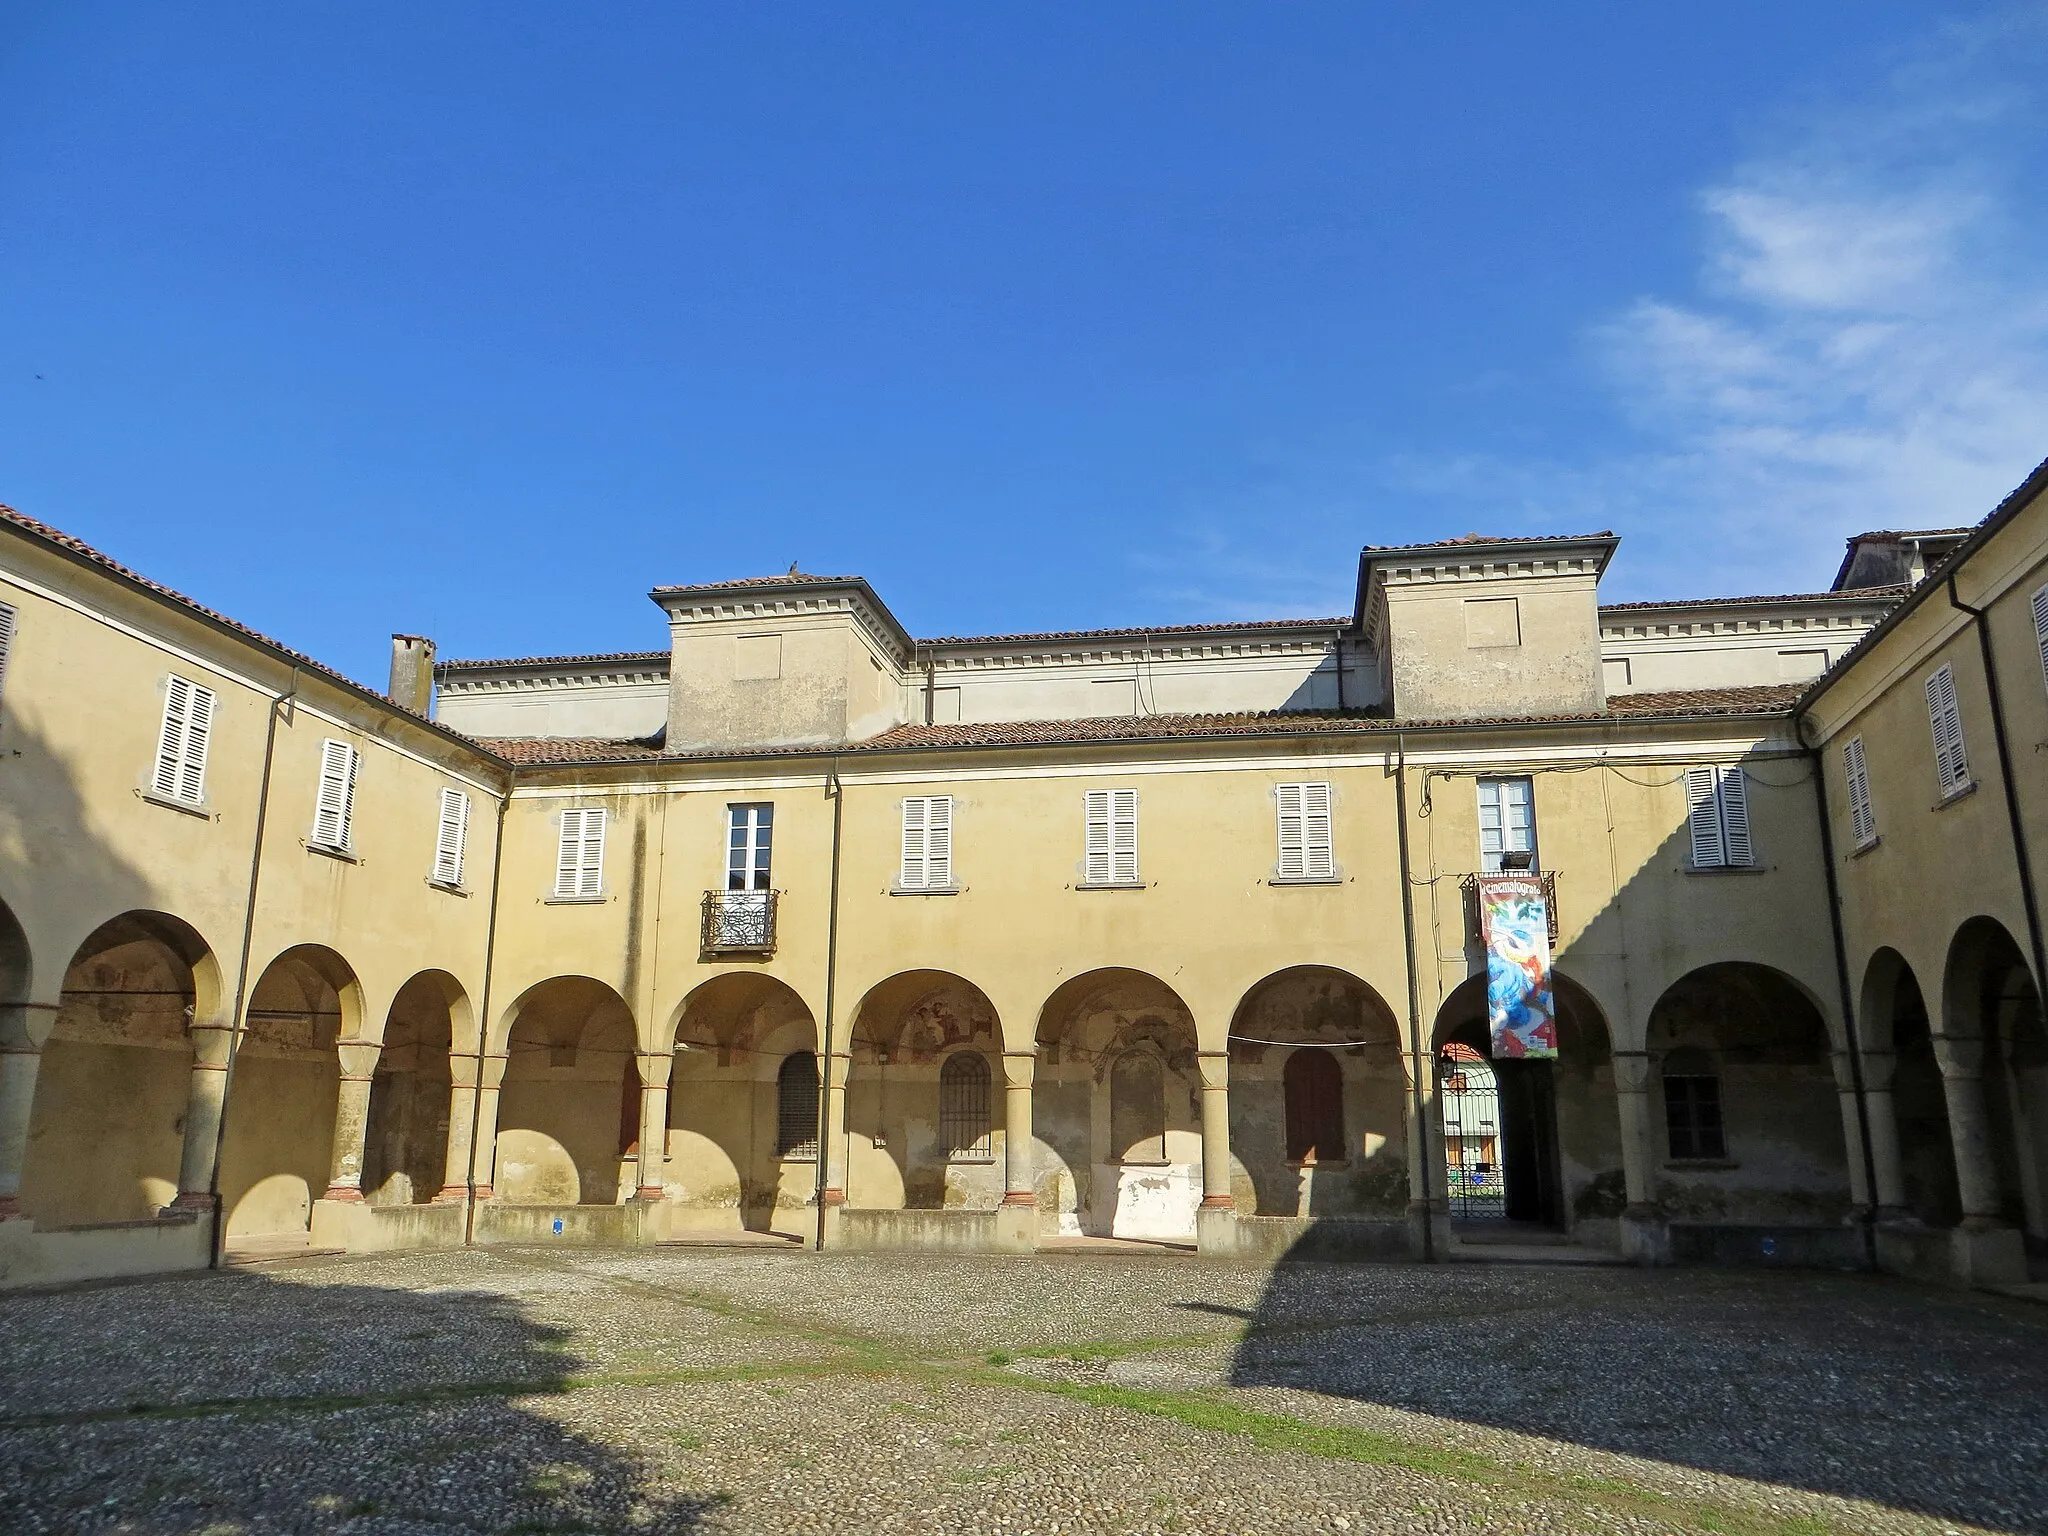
[1019,1197]
[344,1192]
[1218,1203]
[648,1192]
[451,1194]
[10,1208]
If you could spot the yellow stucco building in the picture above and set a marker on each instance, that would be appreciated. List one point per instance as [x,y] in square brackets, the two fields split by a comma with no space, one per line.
[803,925]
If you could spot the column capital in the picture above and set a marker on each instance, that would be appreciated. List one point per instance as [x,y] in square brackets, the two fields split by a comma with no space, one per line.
[1960,1055]
[1631,1071]
[1215,1069]
[654,1066]
[1020,1068]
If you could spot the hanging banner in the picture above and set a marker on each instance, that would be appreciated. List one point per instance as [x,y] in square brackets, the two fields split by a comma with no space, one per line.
[1515,918]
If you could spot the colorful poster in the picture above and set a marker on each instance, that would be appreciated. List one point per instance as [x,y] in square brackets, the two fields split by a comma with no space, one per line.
[1516,921]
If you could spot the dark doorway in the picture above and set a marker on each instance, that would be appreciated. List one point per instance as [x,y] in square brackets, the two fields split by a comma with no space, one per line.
[1528,1117]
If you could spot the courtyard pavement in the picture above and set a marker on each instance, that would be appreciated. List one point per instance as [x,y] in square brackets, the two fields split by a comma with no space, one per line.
[564,1389]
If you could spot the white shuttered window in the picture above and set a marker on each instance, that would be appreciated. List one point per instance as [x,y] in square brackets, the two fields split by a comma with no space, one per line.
[1306,846]
[927,843]
[181,745]
[1862,819]
[449,839]
[1719,817]
[1507,821]
[334,808]
[1112,840]
[579,860]
[1945,719]
[7,618]
[2040,601]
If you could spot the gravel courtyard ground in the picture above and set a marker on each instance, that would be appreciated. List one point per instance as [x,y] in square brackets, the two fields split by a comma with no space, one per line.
[731,1391]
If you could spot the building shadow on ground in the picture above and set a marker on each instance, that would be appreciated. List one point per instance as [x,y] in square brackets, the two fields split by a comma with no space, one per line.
[238,1402]
[1853,1385]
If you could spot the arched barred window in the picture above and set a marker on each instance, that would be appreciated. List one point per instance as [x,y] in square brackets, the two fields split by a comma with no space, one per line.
[796,1106]
[964,1107]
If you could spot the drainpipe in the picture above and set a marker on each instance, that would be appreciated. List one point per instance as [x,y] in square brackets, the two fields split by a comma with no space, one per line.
[1424,1153]
[1827,857]
[483,1022]
[1337,650]
[2012,795]
[930,684]
[836,793]
[239,1025]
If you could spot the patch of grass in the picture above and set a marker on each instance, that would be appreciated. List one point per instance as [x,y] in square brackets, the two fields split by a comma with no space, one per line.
[684,1441]
[999,1357]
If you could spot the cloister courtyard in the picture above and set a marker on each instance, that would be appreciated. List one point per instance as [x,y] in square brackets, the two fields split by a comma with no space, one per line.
[578,1389]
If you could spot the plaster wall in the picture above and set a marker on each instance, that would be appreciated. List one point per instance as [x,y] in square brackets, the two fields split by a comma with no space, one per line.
[1497,645]
[624,706]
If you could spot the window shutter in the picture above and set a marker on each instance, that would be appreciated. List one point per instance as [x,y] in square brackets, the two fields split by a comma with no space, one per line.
[2040,632]
[1944,717]
[449,840]
[579,859]
[1862,820]
[913,876]
[1293,841]
[1704,820]
[1096,861]
[334,809]
[1124,848]
[7,617]
[938,841]
[170,742]
[1733,793]
[1318,842]
[1490,844]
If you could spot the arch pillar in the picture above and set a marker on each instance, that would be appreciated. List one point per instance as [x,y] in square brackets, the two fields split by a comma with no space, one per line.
[1216,1217]
[1861,1197]
[1961,1058]
[213,1043]
[1017,1216]
[1644,1235]
[462,1110]
[352,1118]
[654,1067]
[24,1028]
[484,1154]
[832,1144]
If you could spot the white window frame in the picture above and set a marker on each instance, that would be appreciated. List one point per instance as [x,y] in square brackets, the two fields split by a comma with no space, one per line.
[1945,722]
[1306,832]
[579,854]
[927,852]
[451,837]
[1109,855]
[1497,787]
[1717,816]
[334,801]
[182,742]
[1856,775]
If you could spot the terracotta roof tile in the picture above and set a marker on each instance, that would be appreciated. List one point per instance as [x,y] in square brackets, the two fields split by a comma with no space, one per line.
[787,579]
[1492,538]
[1768,699]
[550,661]
[1138,631]
[1846,595]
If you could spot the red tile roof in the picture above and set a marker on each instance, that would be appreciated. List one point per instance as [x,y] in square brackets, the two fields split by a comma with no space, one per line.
[1139,631]
[787,579]
[1768,699]
[1492,538]
[589,659]
[1846,595]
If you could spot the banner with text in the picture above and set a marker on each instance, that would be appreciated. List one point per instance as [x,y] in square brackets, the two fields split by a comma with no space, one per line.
[1515,917]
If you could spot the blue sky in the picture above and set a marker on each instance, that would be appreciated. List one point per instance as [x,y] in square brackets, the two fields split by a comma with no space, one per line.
[481,320]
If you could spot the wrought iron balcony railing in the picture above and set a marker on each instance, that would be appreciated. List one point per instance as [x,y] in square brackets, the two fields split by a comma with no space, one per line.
[739,922]
[1475,931]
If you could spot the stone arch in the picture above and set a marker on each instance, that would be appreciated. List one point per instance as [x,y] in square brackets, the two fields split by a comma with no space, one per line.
[107,1130]
[17,966]
[1319,1008]
[1746,1117]
[569,1108]
[730,1036]
[903,1032]
[1991,1014]
[1560,1139]
[405,1145]
[1901,1072]
[1087,1184]
[278,1143]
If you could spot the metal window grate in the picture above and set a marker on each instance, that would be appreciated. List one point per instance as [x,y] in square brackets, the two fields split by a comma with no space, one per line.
[1692,1116]
[1315,1106]
[964,1108]
[796,1106]
[739,922]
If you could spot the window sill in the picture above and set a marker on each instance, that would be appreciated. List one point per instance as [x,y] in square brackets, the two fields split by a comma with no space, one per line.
[1862,848]
[450,889]
[1111,885]
[979,1160]
[1960,792]
[796,1157]
[1701,1164]
[576,901]
[1145,1162]
[1306,880]
[203,811]
[1726,869]
[926,890]
[328,851]
[1319,1162]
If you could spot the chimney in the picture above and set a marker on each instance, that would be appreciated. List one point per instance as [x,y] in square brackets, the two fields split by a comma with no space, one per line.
[412,673]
